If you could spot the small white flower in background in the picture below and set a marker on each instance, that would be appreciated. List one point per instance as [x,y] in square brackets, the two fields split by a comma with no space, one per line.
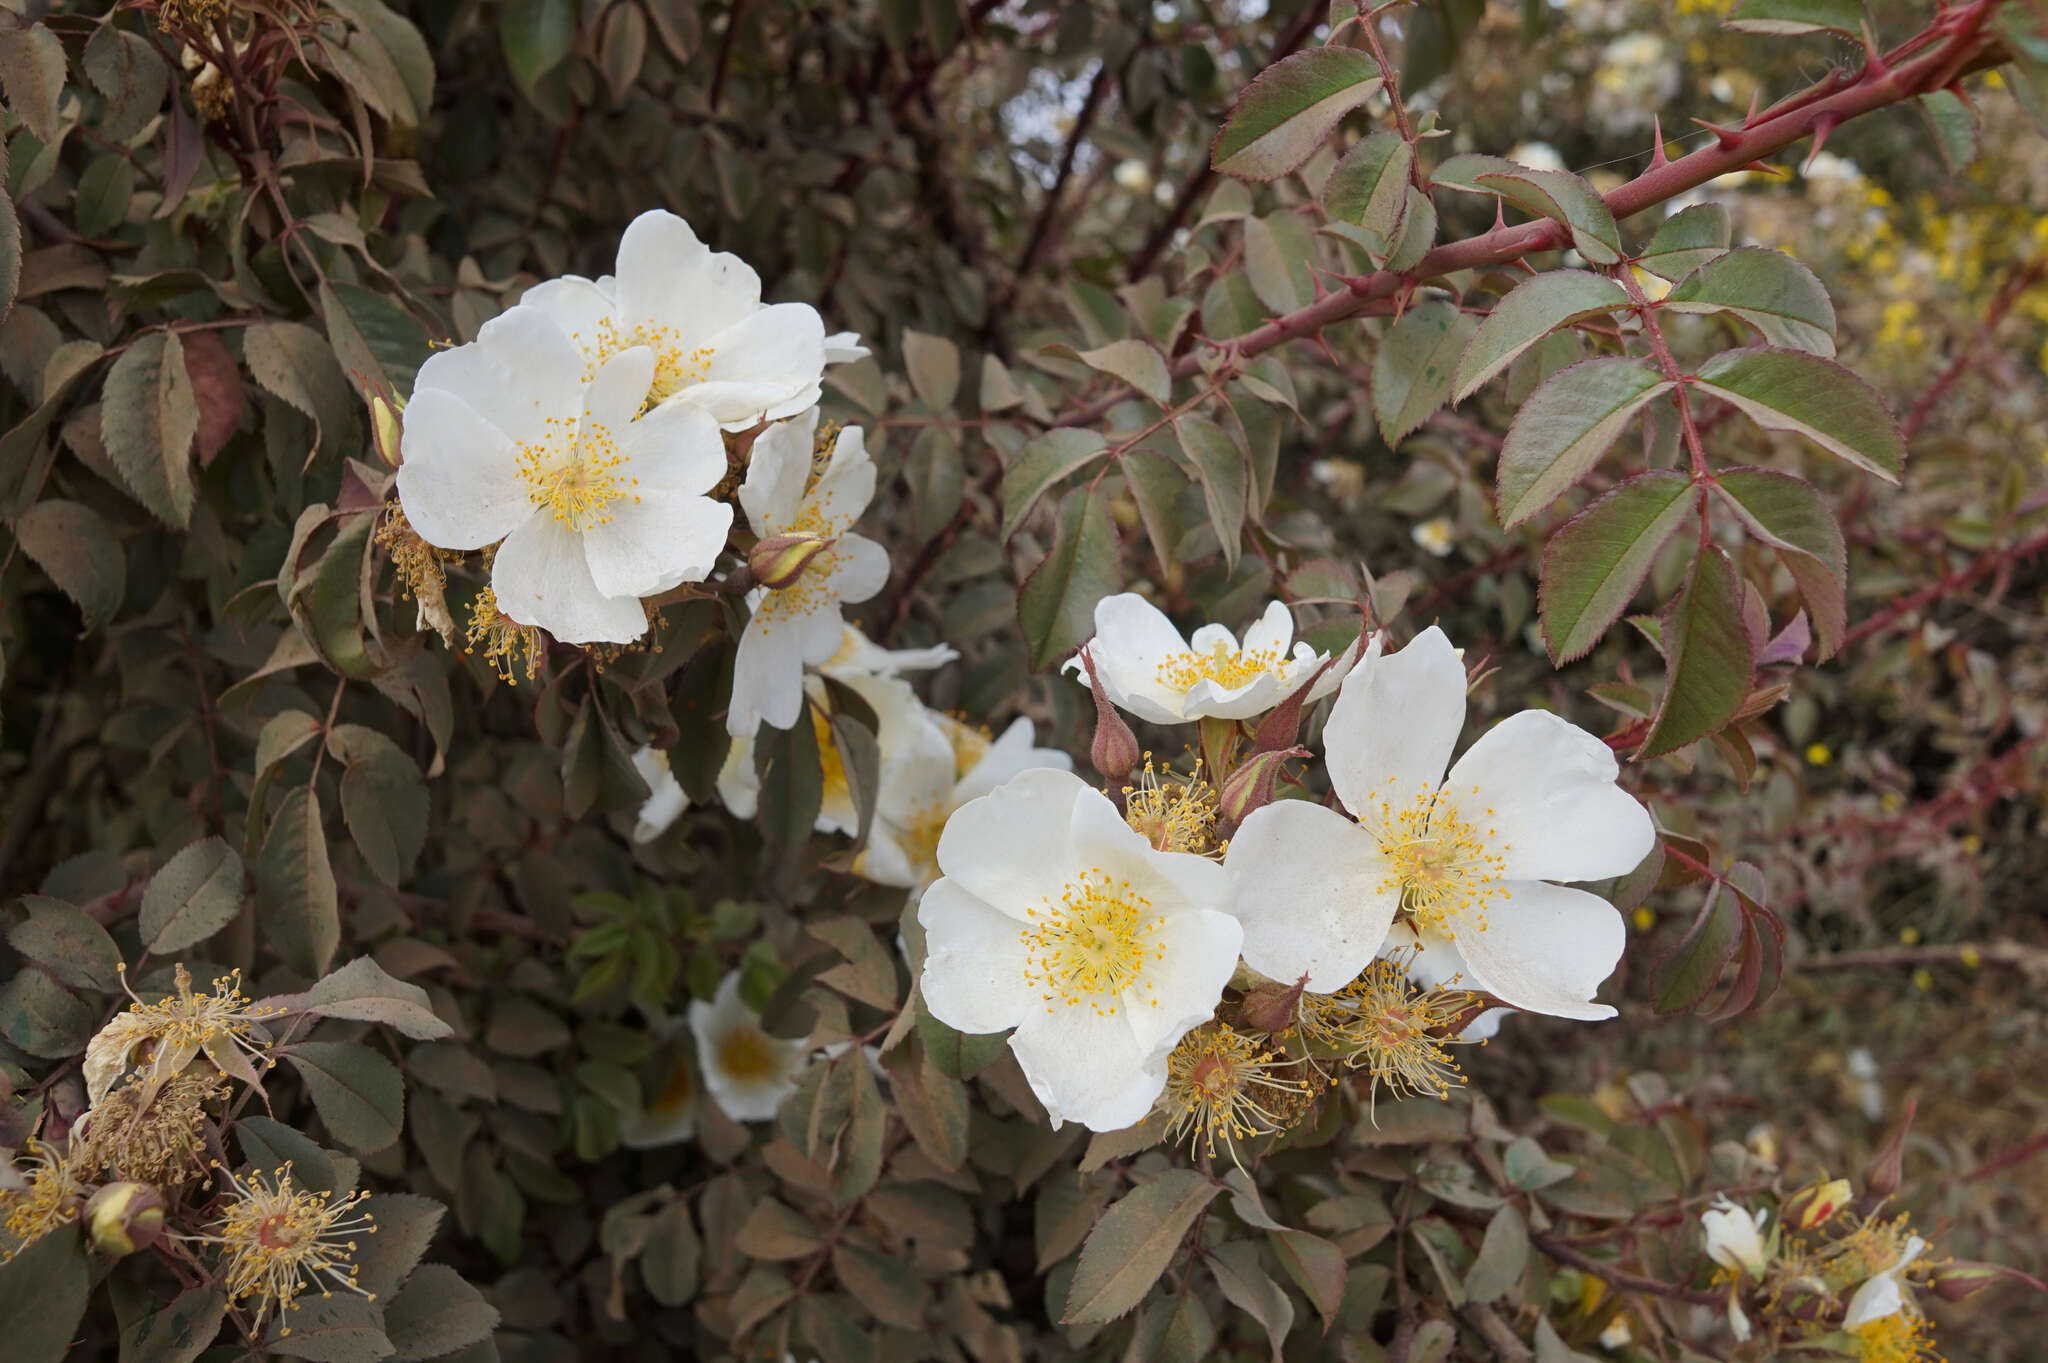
[1133,175]
[1617,1335]
[716,347]
[666,799]
[799,624]
[1147,669]
[1463,863]
[1864,1083]
[746,1071]
[508,438]
[1437,535]
[1735,1238]
[669,1113]
[1537,156]
[859,655]
[1056,918]
[948,764]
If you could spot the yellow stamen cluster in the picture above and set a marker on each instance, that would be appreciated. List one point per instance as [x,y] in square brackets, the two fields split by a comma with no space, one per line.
[603,655]
[822,445]
[749,1054]
[1896,1338]
[1175,813]
[1221,1083]
[1092,946]
[419,568]
[1870,1248]
[184,1021]
[576,472]
[277,1241]
[970,741]
[675,368]
[1448,867]
[1227,667]
[51,1197]
[508,646]
[1390,1028]
[133,1136]
[198,14]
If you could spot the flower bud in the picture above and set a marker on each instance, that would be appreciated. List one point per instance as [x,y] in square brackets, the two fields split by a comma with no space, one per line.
[1250,787]
[1881,1177]
[1114,749]
[387,427]
[1959,1280]
[779,560]
[1814,1206]
[122,1218]
[1272,1007]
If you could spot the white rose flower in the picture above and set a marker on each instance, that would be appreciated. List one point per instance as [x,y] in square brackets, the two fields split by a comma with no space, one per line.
[746,1071]
[507,438]
[947,764]
[859,655]
[1147,669]
[666,799]
[669,1113]
[1880,1295]
[698,312]
[905,732]
[1463,862]
[1735,1238]
[1056,918]
[799,625]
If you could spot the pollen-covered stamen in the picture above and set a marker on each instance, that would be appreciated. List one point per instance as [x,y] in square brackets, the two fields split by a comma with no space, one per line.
[1094,945]
[277,1240]
[1447,866]
[676,366]
[1226,666]
[1393,1030]
[1221,1083]
[50,1197]
[748,1054]
[508,646]
[577,472]
[811,590]
[1174,813]
[1896,1338]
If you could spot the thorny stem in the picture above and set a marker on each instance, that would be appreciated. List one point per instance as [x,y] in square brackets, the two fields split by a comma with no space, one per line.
[1954,41]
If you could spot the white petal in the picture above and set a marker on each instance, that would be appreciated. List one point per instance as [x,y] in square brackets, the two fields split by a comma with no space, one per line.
[974,967]
[618,389]
[1312,891]
[674,449]
[860,568]
[1131,632]
[1548,789]
[1247,701]
[541,578]
[847,485]
[1011,753]
[1011,848]
[858,654]
[1210,638]
[660,541]
[777,468]
[1198,956]
[844,347]
[1272,631]
[1089,1068]
[767,679]
[460,482]
[1877,1298]
[1366,645]
[748,1099]
[520,371]
[739,786]
[778,350]
[1545,949]
[1396,720]
[577,306]
[668,278]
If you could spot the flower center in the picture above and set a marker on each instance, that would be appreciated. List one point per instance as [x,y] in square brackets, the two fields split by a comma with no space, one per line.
[1896,1338]
[1227,667]
[1447,867]
[579,485]
[920,839]
[746,1054]
[832,766]
[1093,945]
[811,590]
[675,368]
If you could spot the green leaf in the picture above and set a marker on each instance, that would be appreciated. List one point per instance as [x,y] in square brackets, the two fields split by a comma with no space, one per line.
[32,73]
[297,364]
[383,800]
[147,420]
[1503,1255]
[405,1227]
[1041,463]
[933,363]
[1785,17]
[43,1291]
[131,73]
[295,896]
[958,1055]
[1244,1282]
[1958,130]
[363,992]
[10,253]
[1768,289]
[1686,240]
[1530,311]
[104,191]
[937,476]
[359,1094]
[1708,660]
[1686,974]
[1596,562]
[73,545]
[885,1285]
[932,1105]
[403,47]
[1417,359]
[1316,1265]
[1056,603]
[1565,198]
[1285,114]
[1566,426]
[1791,516]
[537,35]
[1370,185]
[1789,390]
[792,775]
[60,938]
[182,1329]
[390,342]
[436,1313]
[1137,363]
[1277,253]
[1221,470]
[669,1263]
[1133,1243]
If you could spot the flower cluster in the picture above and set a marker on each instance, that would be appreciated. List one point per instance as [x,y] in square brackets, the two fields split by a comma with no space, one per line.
[1139,974]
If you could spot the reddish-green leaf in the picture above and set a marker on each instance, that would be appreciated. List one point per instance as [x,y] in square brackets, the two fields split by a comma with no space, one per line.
[1685,975]
[1768,289]
[1133,1243]
[1412,373]
[1594,565]
[1566,426]
[1785,18]
[1792,517]
[1533,309]
[1708,659]
[1056,604]
[1283,116]
[148,418]
[1686,240]
[1040,464]
[1370,185]
[1789,390]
